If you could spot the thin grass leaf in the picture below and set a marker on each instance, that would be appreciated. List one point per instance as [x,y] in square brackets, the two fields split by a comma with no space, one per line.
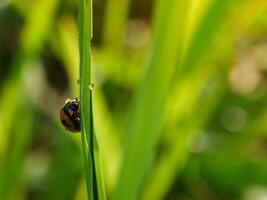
[67,34]
[182,137]
[95,186]
[32,40]
[198,45]
[108,139]
[33,37]
[116,14]
[19,140]
[148,113]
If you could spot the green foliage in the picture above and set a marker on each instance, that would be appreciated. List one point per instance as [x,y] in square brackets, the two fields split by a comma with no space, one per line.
[95,187]
[178,110]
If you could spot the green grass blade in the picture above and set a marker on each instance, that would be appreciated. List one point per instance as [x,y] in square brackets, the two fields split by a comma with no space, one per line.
[33,37]
[85,81]
[115,19]
[149,110]
[203,35]
[98,169]
[168,166]
[11,180]
[181,137]
[95,186]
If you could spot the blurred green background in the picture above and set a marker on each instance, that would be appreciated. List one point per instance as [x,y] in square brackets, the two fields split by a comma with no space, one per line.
[180,98]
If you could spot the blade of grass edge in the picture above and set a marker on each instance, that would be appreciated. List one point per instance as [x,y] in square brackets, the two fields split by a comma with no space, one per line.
[94,181]
[149,108]
[169,165]
[115,18]
[203,35]
[210,22]
[97,162]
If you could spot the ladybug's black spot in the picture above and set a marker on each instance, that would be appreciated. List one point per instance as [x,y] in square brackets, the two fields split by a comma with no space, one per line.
[71,108]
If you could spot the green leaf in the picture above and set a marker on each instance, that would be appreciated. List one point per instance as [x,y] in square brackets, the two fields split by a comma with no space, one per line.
[198,46]
[149,108]
[95,185]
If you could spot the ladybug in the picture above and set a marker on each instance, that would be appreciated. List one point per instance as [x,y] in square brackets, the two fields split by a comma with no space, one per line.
[70,115]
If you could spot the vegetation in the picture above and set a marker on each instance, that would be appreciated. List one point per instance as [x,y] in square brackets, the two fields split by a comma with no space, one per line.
[177,111]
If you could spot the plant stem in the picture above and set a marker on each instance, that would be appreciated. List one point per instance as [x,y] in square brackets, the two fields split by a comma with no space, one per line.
[94,181]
